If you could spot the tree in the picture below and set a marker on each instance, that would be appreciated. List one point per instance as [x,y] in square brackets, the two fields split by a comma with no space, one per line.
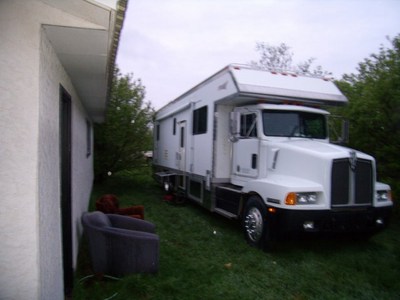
[374,109]
[120,142]
[280,58]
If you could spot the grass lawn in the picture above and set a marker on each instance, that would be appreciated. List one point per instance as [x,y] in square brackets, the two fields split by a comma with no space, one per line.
[205,256]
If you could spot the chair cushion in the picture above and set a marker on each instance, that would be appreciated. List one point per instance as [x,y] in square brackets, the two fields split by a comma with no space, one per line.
[98,219]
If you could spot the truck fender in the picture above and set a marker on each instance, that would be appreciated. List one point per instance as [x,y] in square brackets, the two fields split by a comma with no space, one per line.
[273,190]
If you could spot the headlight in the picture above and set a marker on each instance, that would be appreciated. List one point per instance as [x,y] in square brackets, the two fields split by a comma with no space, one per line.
[301,198]
[383,196]
[306,198]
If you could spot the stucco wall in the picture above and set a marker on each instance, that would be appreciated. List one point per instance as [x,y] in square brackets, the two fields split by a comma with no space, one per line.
[19,111]
[50,249]
[30,216]
[52,74]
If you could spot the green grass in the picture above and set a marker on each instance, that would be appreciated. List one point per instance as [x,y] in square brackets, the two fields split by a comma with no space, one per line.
[193,259]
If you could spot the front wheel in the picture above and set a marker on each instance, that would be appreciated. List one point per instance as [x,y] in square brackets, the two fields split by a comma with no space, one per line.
[256,227]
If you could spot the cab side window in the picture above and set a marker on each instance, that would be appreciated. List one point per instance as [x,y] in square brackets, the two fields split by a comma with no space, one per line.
[248,125]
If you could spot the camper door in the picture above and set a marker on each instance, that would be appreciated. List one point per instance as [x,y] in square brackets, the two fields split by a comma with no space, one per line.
[181,154]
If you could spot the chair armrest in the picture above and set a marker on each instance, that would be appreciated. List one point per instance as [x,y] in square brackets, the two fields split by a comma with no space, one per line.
[126,222]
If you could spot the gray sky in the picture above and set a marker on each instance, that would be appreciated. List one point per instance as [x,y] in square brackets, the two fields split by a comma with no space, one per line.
[172,45]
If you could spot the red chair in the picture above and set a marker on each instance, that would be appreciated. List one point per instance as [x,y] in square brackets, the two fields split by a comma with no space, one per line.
[108,204]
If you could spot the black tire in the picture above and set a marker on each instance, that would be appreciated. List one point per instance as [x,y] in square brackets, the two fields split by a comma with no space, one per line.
[256,228]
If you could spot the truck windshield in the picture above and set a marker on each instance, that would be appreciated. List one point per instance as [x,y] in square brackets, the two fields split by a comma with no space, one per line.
[294,124]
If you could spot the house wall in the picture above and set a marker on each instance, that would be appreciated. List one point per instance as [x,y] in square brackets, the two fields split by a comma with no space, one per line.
[19,113]
[52,74]
[30,214]
[50,243]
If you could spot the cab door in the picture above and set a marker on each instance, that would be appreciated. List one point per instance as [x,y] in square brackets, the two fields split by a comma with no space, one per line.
[245,162]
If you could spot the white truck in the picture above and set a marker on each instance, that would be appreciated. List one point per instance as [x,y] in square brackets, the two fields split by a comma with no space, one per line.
[253,145]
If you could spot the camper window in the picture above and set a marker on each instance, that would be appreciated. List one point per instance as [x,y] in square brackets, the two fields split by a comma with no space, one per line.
[158,132]
[200,120]
[182,140]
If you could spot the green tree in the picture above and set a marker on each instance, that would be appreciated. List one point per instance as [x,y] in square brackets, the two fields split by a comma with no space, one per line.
[374,109]
[121,140]
[280,58]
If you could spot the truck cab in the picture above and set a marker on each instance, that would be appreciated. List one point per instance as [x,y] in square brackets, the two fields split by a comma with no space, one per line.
[260,126]
[284,162]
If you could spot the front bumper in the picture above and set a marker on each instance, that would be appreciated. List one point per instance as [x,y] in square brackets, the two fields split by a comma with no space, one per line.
[354,219]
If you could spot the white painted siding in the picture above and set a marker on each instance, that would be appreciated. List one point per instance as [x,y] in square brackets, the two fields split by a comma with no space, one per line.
[199,147]
[223,145]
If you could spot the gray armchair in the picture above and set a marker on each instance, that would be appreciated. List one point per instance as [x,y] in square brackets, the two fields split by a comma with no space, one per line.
[120,245]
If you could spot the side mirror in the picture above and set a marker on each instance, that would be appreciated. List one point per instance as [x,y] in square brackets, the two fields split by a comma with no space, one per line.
[345,131]
[339,130]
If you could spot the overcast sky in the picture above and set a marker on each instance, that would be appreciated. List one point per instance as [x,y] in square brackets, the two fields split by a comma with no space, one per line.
[172,45]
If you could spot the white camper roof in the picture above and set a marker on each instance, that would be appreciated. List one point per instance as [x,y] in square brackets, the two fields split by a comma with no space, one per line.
[241,84]
[281,86]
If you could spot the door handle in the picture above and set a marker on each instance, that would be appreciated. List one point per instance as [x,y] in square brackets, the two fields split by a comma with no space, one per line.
[254,161]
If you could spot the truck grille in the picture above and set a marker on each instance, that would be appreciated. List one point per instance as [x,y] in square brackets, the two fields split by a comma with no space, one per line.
[351,186]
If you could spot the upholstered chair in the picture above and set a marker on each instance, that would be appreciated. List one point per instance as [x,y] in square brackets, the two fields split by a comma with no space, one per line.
[120,245]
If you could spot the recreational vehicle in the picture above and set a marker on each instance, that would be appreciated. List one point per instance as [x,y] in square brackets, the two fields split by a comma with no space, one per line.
[254,145]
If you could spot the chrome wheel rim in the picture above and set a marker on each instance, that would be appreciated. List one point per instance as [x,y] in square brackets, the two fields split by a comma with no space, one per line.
[254,224]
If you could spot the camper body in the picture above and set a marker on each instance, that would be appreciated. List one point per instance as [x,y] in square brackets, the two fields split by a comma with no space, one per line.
[251,145]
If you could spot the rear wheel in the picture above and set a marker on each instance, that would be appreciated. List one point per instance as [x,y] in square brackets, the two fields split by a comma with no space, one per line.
[255,224]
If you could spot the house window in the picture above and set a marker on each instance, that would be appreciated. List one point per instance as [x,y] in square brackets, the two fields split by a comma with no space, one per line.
[88,138]
[174,127]
[200,120]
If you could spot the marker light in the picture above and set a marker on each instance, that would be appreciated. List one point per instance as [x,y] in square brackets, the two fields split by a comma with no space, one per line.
[291,199]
